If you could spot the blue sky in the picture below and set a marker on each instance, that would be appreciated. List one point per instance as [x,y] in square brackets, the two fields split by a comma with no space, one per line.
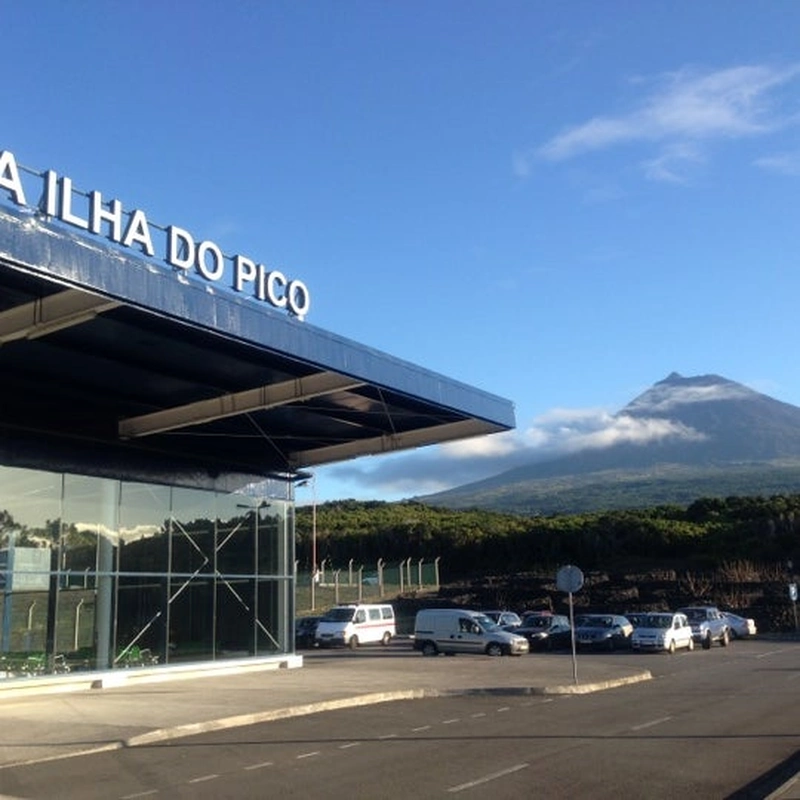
[559,203]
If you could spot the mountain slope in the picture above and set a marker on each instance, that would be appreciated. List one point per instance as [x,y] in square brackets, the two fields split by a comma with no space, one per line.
[681,439]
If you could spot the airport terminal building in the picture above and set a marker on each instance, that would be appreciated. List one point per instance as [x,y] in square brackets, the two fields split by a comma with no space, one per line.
[160,401]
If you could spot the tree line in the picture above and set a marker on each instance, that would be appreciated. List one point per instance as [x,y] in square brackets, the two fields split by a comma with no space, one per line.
[703,535]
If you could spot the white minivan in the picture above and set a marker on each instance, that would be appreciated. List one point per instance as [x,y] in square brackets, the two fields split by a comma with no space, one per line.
[356,624]
[455,630]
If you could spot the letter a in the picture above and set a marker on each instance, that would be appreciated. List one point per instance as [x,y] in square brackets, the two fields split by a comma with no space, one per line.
[9,177]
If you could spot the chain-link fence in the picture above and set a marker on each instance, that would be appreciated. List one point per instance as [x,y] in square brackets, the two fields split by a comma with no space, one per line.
[356,583]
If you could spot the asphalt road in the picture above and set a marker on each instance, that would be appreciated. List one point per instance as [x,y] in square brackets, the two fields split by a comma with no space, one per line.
[712,724]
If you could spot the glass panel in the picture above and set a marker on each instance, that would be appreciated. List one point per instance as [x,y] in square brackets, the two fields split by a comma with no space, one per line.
[144,513]
[30,528]
[271,632]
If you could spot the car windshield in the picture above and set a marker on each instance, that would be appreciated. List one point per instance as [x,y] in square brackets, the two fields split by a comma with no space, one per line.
[339,615]
[485,622]
[695,614]
[595,622]
[538,622]
[658,621]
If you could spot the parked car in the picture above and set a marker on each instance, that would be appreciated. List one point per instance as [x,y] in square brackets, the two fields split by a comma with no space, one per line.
[505,619]
[603,631]
[454,630]
[636,618]
[708,625]
[305,630]
[740,627]
[662,631]
[546,631]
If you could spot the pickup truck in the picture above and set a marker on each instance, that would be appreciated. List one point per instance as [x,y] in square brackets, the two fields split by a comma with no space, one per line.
[708,625]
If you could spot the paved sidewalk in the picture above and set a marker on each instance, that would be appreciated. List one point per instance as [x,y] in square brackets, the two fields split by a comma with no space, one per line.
[56,725]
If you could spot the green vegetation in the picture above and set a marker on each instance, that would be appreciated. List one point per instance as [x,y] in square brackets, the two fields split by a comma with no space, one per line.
[703,535]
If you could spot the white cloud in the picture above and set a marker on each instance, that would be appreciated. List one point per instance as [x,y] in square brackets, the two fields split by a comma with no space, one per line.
[782,163]
[686,109]
[558,432]
[661,399]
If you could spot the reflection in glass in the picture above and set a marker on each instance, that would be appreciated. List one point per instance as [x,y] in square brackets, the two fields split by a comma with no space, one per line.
[98,573]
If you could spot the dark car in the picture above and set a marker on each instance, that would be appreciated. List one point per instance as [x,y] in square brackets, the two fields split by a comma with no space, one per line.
[603,631]
[546,631]
[305,629]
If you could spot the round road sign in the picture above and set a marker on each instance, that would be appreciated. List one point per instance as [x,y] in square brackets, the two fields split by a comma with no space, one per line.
[569,579]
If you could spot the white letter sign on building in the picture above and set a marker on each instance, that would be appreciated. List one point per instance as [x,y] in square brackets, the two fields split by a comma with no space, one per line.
[89,212]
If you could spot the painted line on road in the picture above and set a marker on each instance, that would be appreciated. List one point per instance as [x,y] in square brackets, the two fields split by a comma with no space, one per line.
[308,755]
[451,721]
[349,745]
[650,724]
[260,766]
[421,728]
[772,653]
[204,778]
[487,778]
[148,793]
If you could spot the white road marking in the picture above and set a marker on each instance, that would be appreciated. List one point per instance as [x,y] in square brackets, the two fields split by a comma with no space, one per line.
[650,724]
[388,736]
[504,708]
[260,766]
[479,714]
[203,778]
[487,778]
[133,796]
[349,745]
[421,728]
[771,653]
[308,755]
[451,721]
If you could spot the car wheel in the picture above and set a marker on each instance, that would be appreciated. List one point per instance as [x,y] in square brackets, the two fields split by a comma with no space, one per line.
[707,641]
[494,649]
[725,638]
[610,645]
[387,637]
[690,646]
[671,647]
[429,649]
[353,643]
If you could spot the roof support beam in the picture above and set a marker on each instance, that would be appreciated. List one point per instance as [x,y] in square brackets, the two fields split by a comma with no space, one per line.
[51,313]
[389,443]
[231,405]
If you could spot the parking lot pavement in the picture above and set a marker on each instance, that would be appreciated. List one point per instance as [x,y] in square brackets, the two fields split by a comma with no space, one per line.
[154,706]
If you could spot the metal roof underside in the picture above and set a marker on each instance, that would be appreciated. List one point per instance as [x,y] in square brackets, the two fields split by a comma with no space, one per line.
[112,365]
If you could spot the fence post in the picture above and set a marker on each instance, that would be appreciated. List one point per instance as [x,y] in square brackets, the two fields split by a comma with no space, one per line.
[419,573]
[436,571]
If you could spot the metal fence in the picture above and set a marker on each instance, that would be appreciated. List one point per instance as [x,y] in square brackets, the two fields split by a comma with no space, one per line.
[356,583]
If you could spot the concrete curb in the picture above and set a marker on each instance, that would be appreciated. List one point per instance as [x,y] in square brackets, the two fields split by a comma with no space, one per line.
[194,728]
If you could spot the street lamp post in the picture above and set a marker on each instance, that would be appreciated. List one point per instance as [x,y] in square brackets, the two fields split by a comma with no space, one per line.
[312,479]
[314,573]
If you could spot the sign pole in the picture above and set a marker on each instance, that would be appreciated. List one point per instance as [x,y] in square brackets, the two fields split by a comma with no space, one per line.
[570,579]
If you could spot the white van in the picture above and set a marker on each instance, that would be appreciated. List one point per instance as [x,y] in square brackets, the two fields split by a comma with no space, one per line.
[454,630]
[355,624]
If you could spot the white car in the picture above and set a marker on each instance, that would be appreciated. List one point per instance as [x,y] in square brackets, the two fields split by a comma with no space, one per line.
[741,627]
[663,631]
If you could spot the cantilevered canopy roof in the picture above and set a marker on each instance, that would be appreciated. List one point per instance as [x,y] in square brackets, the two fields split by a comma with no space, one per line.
[114,366]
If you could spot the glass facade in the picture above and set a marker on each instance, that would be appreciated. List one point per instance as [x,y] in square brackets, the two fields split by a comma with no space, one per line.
[99,574]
